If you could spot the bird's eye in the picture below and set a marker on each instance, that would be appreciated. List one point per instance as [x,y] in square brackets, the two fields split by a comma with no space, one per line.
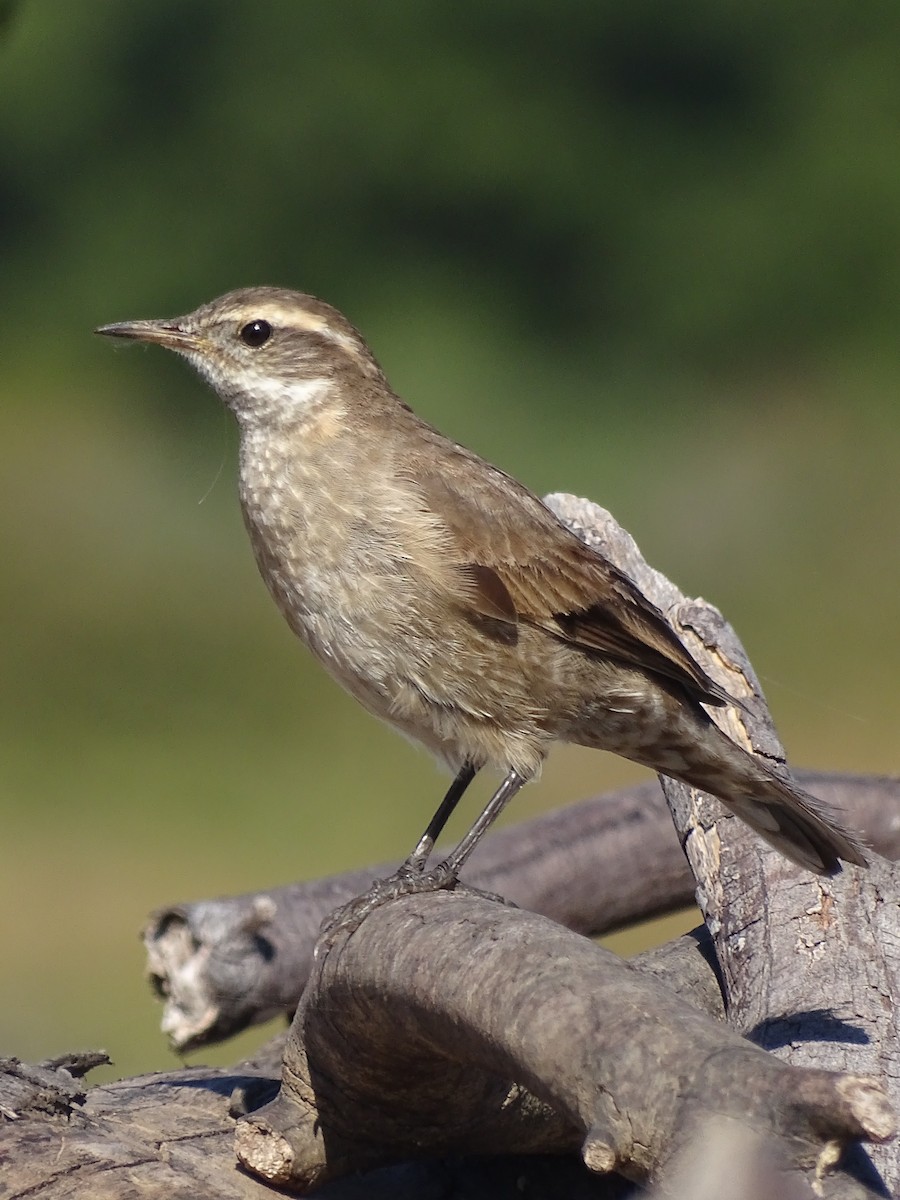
[256,333]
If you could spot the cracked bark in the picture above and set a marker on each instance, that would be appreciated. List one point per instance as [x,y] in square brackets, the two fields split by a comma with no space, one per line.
[808,964]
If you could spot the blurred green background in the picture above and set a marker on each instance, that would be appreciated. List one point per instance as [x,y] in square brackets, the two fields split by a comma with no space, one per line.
[645,252]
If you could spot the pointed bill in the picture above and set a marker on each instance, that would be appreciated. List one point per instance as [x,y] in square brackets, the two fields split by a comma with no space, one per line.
[158,333]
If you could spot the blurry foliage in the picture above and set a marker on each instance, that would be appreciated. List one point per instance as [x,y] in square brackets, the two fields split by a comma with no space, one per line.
[647,252]
[701,181]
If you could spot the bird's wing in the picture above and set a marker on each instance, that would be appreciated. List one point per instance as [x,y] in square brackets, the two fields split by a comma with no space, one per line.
[518,563]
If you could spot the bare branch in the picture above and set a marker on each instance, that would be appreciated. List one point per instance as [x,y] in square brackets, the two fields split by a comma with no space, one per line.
[225,964]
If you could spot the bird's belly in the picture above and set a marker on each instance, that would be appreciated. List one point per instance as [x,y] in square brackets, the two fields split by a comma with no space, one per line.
[411,660]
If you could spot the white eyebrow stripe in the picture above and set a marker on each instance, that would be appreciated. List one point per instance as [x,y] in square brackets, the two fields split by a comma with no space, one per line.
[284,317]
[315,324]
[330,329]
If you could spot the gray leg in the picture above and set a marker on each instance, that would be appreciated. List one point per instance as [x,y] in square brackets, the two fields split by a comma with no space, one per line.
[425,845]
[453,863]
[409,879]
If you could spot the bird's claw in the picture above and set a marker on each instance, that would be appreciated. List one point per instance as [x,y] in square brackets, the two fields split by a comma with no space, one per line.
[411,879]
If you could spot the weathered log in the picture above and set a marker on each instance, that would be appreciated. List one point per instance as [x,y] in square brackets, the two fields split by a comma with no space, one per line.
[224,964]
[171,1135]
[418,1033]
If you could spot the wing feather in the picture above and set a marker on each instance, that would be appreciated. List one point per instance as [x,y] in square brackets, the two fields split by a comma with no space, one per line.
[519,563]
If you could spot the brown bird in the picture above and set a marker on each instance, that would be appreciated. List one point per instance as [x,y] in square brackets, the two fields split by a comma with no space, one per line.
[443,594]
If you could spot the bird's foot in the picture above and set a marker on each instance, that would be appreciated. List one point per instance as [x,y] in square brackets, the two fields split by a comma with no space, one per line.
[411,879]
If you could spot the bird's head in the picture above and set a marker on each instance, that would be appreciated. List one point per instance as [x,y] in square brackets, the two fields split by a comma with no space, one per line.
[270,354]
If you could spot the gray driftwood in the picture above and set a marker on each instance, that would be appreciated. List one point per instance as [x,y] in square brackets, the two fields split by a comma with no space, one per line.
[222,965]
[447,1026]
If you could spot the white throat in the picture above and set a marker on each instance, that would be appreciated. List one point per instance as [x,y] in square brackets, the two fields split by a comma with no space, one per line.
[269,399]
